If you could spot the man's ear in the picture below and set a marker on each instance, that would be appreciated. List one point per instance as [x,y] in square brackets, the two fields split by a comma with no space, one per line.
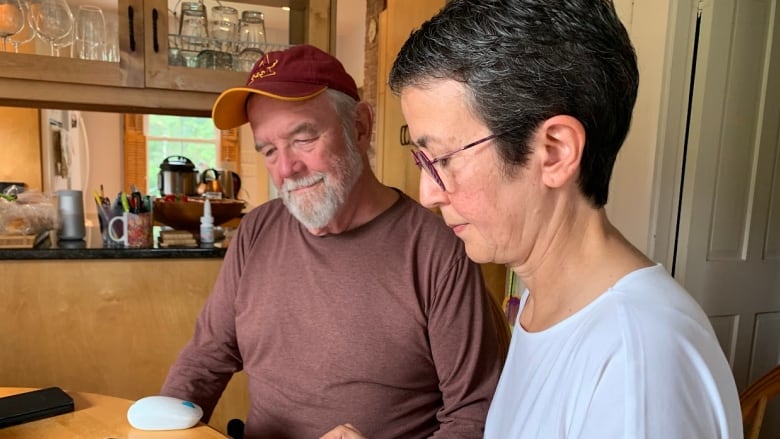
[563,141]
[364,119]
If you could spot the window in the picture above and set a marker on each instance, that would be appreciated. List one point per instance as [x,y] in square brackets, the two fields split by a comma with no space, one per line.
[191,137]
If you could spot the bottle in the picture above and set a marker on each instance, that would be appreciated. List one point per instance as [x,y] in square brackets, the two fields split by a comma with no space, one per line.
[207,226]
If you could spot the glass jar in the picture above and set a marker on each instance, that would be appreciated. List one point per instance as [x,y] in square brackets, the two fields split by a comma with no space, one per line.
[223,28]
[193,31]
[251,31]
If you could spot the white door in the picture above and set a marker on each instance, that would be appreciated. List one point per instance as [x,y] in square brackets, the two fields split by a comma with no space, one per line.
[728,247]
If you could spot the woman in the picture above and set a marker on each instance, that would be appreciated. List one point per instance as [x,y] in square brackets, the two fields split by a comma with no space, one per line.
[540,92]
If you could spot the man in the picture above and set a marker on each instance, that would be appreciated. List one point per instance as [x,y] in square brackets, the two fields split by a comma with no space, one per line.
[344,300]
[518,109]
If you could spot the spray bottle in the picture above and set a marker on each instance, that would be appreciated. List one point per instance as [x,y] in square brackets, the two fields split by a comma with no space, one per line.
[207,226]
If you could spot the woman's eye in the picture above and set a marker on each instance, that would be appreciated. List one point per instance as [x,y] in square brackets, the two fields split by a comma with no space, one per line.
[443,162]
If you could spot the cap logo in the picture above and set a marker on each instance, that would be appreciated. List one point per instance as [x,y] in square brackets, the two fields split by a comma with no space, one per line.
[264,71]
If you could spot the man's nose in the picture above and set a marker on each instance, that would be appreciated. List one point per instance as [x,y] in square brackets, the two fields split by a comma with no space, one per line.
[289,164]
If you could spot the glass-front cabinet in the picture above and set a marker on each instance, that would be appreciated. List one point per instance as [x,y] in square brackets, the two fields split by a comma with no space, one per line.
[152,56]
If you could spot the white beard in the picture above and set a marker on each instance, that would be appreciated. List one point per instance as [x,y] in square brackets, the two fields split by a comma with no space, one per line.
[316,207]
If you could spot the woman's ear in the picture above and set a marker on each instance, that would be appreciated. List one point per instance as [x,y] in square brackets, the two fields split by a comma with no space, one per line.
[563,141]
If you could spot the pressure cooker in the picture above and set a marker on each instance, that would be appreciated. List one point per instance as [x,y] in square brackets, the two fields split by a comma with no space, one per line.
[177,176]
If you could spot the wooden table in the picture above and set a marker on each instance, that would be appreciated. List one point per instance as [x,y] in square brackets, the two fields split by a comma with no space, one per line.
[95,417]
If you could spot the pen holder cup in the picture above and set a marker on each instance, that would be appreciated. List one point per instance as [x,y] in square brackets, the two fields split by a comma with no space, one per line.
[105,214]
[136,230]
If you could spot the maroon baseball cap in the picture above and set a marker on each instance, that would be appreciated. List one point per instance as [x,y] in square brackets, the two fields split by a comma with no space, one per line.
[294,74]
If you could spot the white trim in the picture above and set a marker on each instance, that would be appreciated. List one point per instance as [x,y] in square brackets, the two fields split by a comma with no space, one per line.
[667,174]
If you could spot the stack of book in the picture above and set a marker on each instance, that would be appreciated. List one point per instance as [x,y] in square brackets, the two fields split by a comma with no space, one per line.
[177,238]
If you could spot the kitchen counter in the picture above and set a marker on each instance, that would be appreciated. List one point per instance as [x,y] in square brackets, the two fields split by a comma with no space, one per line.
[92,248]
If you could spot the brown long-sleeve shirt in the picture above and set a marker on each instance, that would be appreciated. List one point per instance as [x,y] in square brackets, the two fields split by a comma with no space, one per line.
[386,326]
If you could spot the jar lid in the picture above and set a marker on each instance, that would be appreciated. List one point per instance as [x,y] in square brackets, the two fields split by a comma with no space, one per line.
[253,16]
[177,163]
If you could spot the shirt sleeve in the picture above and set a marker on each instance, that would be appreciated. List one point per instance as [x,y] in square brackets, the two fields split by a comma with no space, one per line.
[464,346]
[209,360]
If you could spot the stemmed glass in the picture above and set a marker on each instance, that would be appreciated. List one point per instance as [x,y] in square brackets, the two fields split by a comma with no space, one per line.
[27,34]
[52,21]
[11,19]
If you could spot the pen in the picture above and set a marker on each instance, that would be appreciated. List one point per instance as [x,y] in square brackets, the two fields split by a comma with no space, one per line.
[138,204]
[125,203]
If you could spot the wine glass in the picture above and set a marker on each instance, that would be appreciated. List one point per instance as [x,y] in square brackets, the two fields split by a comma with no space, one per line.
[11,19]
[27,33]
[53,22]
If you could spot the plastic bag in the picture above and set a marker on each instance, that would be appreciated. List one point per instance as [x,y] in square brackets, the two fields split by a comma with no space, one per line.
[30,213]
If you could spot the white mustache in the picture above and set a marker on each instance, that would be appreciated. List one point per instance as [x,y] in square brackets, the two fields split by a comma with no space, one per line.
[290,185]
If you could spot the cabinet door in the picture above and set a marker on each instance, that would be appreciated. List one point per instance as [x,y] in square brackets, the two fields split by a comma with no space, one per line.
[308,21]
[158,72]
[63,70]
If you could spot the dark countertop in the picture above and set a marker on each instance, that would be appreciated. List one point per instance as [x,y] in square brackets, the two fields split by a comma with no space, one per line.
[92,248]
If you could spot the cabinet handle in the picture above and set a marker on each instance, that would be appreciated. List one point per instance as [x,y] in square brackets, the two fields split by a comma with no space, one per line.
[404,135]
[156,44]
[132,32]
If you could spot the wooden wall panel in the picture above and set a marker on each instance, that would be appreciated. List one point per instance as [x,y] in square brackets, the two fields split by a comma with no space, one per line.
[107,326]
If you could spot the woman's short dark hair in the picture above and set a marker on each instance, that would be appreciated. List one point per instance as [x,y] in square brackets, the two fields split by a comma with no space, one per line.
[524,61]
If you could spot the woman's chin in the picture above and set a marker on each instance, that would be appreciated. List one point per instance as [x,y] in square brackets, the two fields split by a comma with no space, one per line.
[480,253]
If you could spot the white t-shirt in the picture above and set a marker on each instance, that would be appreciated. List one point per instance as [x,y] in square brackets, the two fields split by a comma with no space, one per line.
[640,361]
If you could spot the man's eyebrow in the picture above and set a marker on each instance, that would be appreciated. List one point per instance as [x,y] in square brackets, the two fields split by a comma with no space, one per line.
[303,128]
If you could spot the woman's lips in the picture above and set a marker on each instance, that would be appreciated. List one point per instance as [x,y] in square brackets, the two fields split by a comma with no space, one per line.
[457,228]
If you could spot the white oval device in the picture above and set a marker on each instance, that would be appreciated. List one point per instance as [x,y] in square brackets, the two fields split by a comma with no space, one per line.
[163,413]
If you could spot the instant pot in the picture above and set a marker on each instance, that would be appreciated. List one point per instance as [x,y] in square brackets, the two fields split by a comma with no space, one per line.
[177,176]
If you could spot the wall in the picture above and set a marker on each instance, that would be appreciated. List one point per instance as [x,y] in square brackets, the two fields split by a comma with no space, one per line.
[104,134]
[350,36]
[19,131]
[370,69]
[629,205]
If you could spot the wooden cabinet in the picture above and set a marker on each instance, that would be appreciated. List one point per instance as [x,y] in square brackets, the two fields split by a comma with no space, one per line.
[142,81]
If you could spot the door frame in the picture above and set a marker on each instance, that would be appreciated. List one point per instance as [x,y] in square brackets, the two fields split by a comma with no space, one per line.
[668,170]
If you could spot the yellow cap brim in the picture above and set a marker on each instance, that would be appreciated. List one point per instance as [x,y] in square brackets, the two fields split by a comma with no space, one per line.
[229,110]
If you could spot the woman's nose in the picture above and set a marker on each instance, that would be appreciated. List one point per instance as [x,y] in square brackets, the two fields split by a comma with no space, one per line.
[431,194]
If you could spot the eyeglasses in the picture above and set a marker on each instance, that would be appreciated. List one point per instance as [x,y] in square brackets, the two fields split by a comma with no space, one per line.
[423,162]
